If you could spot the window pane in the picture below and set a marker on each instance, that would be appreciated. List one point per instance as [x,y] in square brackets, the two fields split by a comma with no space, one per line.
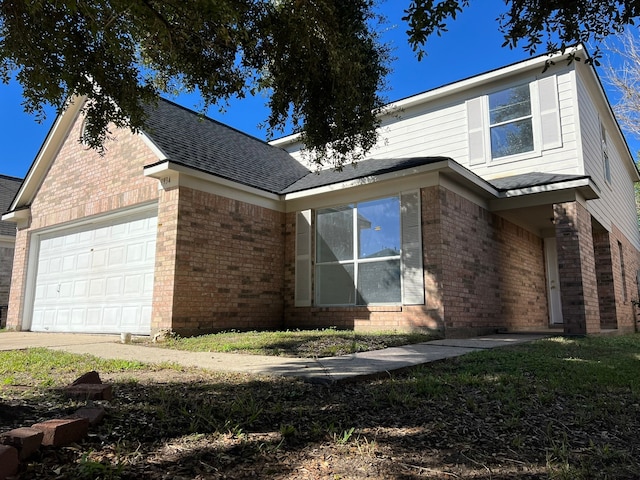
[379,282]
[511,138]
[335,285]
[509,104]
[335,234]
[379,228]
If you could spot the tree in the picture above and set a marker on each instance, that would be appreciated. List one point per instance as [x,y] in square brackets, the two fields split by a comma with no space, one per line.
[320,61]
[625,78]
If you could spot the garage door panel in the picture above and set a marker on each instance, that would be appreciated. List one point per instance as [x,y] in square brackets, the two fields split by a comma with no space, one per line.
[101,281]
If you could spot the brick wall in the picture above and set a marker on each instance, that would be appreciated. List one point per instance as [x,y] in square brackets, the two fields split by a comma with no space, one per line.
[576,266]
[607,260]
[494,273]
[626,313]
[82,183]
[481,273]
[229,265]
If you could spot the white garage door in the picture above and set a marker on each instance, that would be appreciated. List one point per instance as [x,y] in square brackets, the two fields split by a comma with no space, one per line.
[97,278]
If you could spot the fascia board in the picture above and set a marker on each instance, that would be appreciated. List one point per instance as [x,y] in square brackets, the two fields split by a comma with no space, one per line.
[586,185]
[173,174]
[575,190]
[21,216]
[50,148]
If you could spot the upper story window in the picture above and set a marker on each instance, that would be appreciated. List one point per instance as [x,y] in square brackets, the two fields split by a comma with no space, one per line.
[358,253]
[516,123]
[511,121]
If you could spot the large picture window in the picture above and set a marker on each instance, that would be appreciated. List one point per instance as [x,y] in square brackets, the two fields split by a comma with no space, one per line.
[358,250]
[511,123]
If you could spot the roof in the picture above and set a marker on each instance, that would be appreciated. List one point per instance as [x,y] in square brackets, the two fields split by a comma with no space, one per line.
[8,188]
[532,179]
[366,168]
[195,141]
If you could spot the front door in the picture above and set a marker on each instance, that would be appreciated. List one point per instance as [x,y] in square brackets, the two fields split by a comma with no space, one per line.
[553,281]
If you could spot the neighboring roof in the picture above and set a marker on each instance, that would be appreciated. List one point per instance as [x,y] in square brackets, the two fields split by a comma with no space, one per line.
[198,142]
[8,188]
[532,179]
[366,168]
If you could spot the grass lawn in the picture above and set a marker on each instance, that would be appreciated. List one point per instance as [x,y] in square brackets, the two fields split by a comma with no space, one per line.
[296,343]
[562,408]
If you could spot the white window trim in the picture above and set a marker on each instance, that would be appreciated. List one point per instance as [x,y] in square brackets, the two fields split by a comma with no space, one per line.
[535,126]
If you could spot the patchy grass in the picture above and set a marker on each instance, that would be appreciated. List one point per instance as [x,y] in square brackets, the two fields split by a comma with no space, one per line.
[558,408]
[40,367]
[296,343]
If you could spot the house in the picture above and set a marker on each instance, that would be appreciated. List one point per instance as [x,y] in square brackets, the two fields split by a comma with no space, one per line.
[501,202]
[8,189]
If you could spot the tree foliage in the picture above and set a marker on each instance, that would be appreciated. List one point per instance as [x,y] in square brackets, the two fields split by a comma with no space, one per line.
[320,62]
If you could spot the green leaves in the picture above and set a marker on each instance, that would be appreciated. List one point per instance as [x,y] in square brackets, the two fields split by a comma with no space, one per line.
[320,61]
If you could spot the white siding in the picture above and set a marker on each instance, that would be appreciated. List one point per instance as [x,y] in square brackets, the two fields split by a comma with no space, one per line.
[441,128]
[616,204]
[424,132]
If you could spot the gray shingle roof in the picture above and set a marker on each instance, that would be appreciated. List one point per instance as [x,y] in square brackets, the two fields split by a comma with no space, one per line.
[532,179]
[8,188]
[198,142]
[366,168]
[204,144]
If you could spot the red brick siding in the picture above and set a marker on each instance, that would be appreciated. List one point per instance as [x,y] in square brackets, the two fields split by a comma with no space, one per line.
[606,260]
[82,183]
[165,263]
[493,270]
[481,273]
[576,266]
[229,265]
[626,314]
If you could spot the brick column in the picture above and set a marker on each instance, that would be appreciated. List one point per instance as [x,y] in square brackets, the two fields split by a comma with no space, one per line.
[605,277]
[576,265]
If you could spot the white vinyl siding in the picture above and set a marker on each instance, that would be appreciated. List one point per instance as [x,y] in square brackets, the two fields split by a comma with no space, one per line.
[616,204]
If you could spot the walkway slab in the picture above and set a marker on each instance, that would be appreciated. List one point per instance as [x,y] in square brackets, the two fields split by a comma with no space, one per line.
[322,370]
[489,341]
[23,340]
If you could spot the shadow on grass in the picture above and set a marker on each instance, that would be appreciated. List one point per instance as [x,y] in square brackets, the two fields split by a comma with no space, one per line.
[559,409]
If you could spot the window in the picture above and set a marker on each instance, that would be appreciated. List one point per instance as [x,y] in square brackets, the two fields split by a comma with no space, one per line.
[606,164]
[358,248]
[511,121]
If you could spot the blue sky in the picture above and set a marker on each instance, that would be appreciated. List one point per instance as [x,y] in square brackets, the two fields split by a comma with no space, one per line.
[471,46]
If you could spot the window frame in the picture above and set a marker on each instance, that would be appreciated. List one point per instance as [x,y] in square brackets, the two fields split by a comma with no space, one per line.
[533,118]
[356,261]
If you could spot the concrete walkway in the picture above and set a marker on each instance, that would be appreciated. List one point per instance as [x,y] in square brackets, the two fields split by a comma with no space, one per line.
[322,370]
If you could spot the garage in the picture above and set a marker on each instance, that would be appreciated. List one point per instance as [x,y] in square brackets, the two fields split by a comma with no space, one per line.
[96,277]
